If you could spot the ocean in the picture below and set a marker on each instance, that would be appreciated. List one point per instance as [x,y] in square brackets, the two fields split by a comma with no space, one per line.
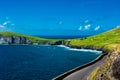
[25,62]
[64,37]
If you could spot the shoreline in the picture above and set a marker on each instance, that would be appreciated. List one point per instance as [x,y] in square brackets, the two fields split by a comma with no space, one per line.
[99,58]
[64,75]
[81,49]
[64,46]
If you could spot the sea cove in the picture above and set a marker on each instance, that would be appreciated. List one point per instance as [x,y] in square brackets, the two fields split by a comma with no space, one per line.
[29,62]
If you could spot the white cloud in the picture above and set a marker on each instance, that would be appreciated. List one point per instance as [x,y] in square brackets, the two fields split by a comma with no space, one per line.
[97,28]
[87,26]
[5,23]
[86,21]
[2,26]
[80,28]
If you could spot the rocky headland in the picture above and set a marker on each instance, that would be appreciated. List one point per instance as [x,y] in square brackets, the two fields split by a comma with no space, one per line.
[108,42]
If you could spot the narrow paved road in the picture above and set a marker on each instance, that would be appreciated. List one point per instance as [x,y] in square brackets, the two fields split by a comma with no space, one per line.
[84,73]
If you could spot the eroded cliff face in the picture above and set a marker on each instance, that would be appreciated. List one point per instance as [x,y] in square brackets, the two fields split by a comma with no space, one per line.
[110,68]
[24,40]
[13,40]
[115,69]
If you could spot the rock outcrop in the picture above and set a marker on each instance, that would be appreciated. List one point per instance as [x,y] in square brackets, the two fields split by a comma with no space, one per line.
[115,69]
[14,40]
[110,69]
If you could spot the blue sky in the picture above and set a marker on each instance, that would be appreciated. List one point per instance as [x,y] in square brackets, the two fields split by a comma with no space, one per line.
[59,17]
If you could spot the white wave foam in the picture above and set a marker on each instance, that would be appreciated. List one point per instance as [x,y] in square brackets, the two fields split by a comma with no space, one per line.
[85,50]
[45,45]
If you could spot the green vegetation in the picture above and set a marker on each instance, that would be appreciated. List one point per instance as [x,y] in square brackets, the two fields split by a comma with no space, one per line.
[32,39]
[103,71]
[107,40]
[93,74]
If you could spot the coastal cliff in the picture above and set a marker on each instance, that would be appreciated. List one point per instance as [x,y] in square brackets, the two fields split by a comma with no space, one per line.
[109,70]
[15,38]
[108,42]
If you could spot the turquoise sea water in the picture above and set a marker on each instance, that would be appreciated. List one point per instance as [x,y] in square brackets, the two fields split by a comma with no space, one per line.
[22,62]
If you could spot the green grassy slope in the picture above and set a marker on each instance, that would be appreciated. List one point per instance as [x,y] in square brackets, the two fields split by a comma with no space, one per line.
[31,38]
[108,40]
[112,42]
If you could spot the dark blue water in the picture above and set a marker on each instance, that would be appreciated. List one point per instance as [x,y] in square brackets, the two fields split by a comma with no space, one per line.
[39,62]
[64,37]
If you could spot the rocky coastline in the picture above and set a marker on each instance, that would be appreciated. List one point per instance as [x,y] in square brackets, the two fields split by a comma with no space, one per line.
[19,40]
[108,70]
[111,71]
[14,40]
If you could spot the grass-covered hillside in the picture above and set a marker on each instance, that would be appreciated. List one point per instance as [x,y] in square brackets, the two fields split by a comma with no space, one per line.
[109,69]
[107,40]
[110,41]
[32,39]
